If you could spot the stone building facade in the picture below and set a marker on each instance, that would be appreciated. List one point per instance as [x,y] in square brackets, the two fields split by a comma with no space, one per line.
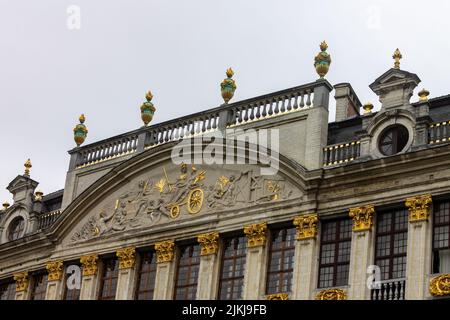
[357,209]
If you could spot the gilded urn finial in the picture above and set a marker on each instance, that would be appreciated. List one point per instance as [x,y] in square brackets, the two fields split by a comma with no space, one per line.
[322,61]
[80,131]
[27,166]
[423,95]
[38,195]
[228,86]
[147,109]
[368,108]
[5,205]
[397,56]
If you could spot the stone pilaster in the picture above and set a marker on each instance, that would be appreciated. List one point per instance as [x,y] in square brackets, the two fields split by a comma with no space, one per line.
[361,256]
[127,273]
[305,265]
[89,283]
[418,258]
[55,285]
[165,270]
[22,280]
[209,266]
[255,271]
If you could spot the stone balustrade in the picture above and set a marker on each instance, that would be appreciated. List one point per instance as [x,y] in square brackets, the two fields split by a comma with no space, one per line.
[341,153]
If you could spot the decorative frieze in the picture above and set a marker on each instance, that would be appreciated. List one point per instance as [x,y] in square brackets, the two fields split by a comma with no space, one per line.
[22,281]
[440,286]
[165,251]
[127,257]
[209,243]
[256,234]
[89,265]
[332,294]
[278,296]
[362,217]
[55,270]
[306,226]
[419,207]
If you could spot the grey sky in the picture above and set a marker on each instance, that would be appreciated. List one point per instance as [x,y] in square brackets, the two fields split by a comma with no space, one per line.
[180,50]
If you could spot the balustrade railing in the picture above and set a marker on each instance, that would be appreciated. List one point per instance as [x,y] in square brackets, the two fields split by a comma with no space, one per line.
[439,132]
[340,153]
[389,290]
[47,219]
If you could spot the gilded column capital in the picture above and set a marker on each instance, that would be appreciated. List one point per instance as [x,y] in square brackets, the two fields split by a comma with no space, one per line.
[165,251]
[440,286]
[55,270]
[419,207]
[362,217]
[127,257]
[256,234]
[306,226]
[89,264]
[209,243]
[22,281]
[278,296]
[332,294]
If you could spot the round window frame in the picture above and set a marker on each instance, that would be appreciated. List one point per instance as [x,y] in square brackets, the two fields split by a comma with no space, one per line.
[13,224]
[384,131]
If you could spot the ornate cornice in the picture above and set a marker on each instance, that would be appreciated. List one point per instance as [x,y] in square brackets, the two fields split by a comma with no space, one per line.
[362,217]
[165,251]
[22,281]
[332,294]
[440,286]
[209,243]
[55,270]
[256,234]
[306,226]
[419,207]
[89,265]
[127,257]
[278,296]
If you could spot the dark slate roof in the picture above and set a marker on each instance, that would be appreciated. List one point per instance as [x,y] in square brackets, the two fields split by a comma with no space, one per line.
[53,201]
[440,108]
[344,131]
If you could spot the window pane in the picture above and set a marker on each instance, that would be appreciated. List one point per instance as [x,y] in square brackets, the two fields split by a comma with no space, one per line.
[187,273]
[233,265]
[109,279]
[146,276]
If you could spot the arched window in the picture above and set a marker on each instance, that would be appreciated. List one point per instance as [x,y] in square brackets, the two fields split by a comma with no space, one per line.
[393,140]
[16,228]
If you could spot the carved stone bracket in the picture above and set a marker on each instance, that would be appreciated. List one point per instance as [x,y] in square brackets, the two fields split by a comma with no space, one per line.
[306,226]
[440,286]
[127,257]
[209,243]
[55,270]
[22,281]
[165,251]
[362,217]
[332,294]
[278,296]
[256,234]
[419,207]
[89,265]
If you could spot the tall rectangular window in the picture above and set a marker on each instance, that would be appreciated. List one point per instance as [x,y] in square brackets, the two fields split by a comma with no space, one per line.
[146,277]
[391,243]
[281,261]
[8,290]
[39,286]
[441,231]
[187,272]
[72,281]
[232,268]
[110,275]
[335,245]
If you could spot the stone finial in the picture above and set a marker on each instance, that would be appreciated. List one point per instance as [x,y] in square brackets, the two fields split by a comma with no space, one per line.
[256,234]
[127,257]
[419,207]
[89,264]
[22,281]
[80,131]
[368,107]
[209,243]
[5,205]
[165,251]
[423,95]
[38,195]
[362,217]
[306,226]
[55,270]
[27,166]
[322,60]
[147,109]
[397,56]
[228,86]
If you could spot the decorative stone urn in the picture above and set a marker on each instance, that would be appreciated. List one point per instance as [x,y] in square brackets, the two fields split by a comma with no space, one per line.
[147,109]
[228,86]
[322,61]
[80,131]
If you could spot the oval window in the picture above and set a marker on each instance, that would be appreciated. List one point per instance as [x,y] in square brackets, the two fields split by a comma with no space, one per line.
[393,140]
[16,228]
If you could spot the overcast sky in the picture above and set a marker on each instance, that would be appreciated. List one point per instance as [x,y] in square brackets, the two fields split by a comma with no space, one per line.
[50,74]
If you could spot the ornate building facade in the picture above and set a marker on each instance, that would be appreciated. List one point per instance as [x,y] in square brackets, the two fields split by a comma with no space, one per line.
[357,209]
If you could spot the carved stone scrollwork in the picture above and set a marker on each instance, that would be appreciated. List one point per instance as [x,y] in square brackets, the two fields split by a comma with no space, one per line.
[22,281]
[55,270]
[278,296]
[306,226]
[165,251]
[362,217]
[256,234]
[440,286]
[127,257]
[332,294]
[209,243]
[89,265]
[419,207]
